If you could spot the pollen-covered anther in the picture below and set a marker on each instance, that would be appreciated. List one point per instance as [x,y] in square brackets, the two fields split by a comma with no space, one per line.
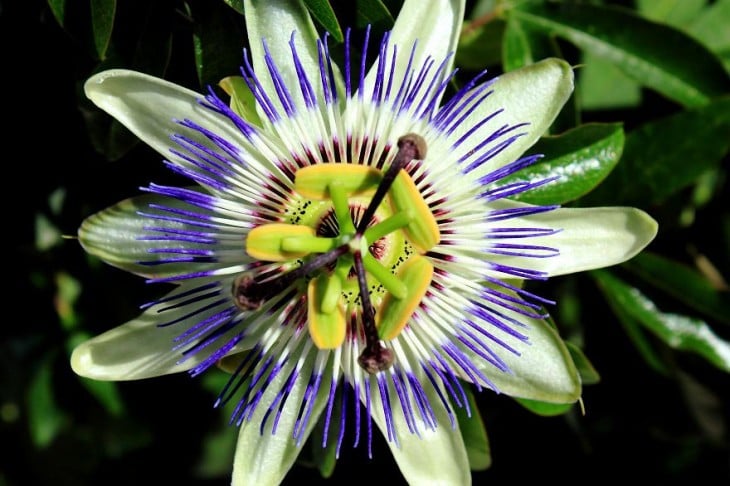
[247,293]
[326,318]
[376,358]
[273,242]
[394,314]
[315,181]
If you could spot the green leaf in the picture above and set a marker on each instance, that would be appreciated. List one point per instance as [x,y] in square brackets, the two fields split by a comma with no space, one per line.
[711,26]
[236,5]
[474,434]
[480,46]
[523,45]
[656,55]
[322,12]
[676,331]
[665,156]
[677,13]
[45,418]
[217,40]
[58,8]
[543,408]
[102,23]
[375,13]
[631,325]
[683,283]
[601,85]
[582,157]
[588,374]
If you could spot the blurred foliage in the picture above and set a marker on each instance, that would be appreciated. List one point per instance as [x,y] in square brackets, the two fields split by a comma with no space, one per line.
[648,126]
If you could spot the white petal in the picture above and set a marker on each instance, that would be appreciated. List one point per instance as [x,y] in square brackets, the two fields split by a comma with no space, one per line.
[274,21]
[116,235]
[437,457]
[436,27]
[540,364]
[590,238]
[140,349]
[264,458]
[534,95]
[543,371]
[148,106]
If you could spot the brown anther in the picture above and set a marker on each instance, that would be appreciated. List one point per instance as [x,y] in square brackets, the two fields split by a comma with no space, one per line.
[375,358]
[414,145]
[247,293]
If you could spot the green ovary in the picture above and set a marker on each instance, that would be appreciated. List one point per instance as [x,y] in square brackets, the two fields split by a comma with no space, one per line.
[320,220]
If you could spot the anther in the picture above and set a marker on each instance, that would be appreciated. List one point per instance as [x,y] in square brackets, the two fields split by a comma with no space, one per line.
[376,358]
[246,292]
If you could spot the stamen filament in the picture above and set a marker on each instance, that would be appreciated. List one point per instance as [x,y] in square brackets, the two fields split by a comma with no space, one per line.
[331,293]
[249,294]
[338,195]
[308,244]
[375,357]
[385,277]
[387,226]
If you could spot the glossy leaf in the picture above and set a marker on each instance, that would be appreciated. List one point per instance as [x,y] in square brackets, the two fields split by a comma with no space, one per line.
[665,156]
[633,328]
[474,434]
[683,283]
[322,12]
[677,331]
[582,157]
[375,13]
[102,23]
[656,55]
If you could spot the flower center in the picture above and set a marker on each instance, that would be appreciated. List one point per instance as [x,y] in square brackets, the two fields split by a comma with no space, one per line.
[351,260]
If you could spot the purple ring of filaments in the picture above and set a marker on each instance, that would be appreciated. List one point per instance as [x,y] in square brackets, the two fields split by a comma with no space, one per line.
[214,323]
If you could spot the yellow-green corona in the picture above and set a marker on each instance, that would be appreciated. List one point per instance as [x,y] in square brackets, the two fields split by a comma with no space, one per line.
[337,198]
